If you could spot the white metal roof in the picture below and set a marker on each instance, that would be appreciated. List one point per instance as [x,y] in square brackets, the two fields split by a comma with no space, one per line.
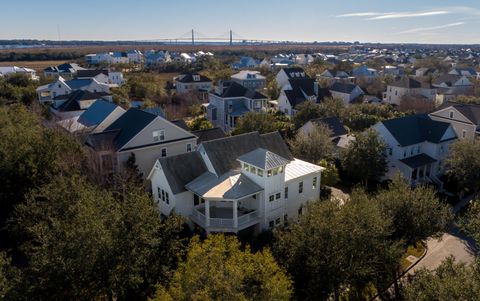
[298,168]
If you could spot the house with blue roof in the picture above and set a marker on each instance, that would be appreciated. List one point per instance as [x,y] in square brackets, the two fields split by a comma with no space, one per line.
[416,147]
[145,135]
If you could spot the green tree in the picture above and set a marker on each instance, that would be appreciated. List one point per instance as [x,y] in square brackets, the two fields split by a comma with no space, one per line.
[8,278]
[305,112]
[470,223]
[330,175]
[332,107]
[450,281]
[335,250]
[273,90]
[200,123]
[218,269]
[261,122]
[417,213]
[313,145]
[93,246]
[365,158]
[463,164]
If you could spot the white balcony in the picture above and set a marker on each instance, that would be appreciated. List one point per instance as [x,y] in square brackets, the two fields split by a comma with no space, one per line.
[224,219]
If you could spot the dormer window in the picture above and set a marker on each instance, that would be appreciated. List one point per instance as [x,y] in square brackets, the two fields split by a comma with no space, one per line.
[196,78]
[451,114]
[158,135]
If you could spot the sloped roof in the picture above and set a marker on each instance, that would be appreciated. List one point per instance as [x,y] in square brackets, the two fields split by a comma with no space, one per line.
[102,141]
[409,83]
[129,125]
[415,129]
[223,153]
[182,169]
[234,89]
[180,123]
[91,72]
[418,161]
[208,134]
[448,79]
[334,124]
[230,186]
[343,87]
[65,68]
[295,72]
[470,111]
[263,159]
[73,99]
[76,84]
[97,112]
[302,88]
[188,78]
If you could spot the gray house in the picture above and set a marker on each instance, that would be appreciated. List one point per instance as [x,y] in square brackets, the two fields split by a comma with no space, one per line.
[230,101]
[464,118]
[250,79]
[147,136]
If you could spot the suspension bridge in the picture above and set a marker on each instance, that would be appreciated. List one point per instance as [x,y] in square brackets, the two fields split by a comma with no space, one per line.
[194,37]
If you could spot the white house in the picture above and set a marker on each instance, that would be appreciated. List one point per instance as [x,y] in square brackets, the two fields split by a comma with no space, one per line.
[408,87]
[7,70]
[295,92]
[249,181]
[416,147]
[48,92]
[346,92]
[286,74]
[113,78]
[74,104]
[449,86]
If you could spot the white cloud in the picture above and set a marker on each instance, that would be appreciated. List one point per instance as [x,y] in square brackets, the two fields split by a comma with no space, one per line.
[410,15]
[395,15]
[433,28]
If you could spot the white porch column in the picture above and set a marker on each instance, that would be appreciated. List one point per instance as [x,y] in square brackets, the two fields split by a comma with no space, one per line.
[235,214]
[207,212]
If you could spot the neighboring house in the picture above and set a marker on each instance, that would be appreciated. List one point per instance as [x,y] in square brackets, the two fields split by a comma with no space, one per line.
[231,101]
[408,87]
[250,79]
[246,62]
[449,86]
[249,181]
[193,83]
[48,92]
[156,58]
[114,78]
[286,74]
[464,118]
[296,92]
[425,72]
[67,70]
[8,70]
[339,134]
[208,134]
[346,92]
[95,119]
[416,147]
[470,72]
[74,104]
[115,57]
[392,70]
[365,73]
[147,136]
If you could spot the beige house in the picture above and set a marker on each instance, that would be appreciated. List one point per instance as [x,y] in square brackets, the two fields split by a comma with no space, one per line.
[464,118]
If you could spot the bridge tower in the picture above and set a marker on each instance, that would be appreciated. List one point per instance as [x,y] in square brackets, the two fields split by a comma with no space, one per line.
[231,37]
[193,37]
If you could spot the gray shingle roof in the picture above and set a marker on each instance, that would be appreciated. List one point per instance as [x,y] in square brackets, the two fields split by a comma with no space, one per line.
[97,112]
[223,153]
[470,111]
[209,134]
[263,159]
[418,161]
[415,129]
[234,89]
[334,124]
[182,169]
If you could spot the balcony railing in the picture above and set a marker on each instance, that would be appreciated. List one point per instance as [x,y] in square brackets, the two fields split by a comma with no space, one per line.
[226,224]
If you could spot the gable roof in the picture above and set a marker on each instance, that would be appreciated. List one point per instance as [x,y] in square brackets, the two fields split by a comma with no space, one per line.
[180,123]
[295,72]
[234,89]
[343,87]
[76,84]
[302,88]
[415,129]
[470,111]
[182,169]
[263,159]
[64,68]
[223,153]
[334,124]
[129,125]
[97,113]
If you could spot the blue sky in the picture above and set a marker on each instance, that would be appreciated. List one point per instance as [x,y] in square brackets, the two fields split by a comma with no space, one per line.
[424,21]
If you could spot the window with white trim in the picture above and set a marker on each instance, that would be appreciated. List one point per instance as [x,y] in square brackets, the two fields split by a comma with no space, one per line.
[314,184]
[158,135]
[278,195]
[189,147]
[300,187]
[286,193]
[164,152]
[271,198]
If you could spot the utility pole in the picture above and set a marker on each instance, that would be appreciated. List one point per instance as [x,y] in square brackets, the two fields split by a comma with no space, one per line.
[231,37]
[193,37]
